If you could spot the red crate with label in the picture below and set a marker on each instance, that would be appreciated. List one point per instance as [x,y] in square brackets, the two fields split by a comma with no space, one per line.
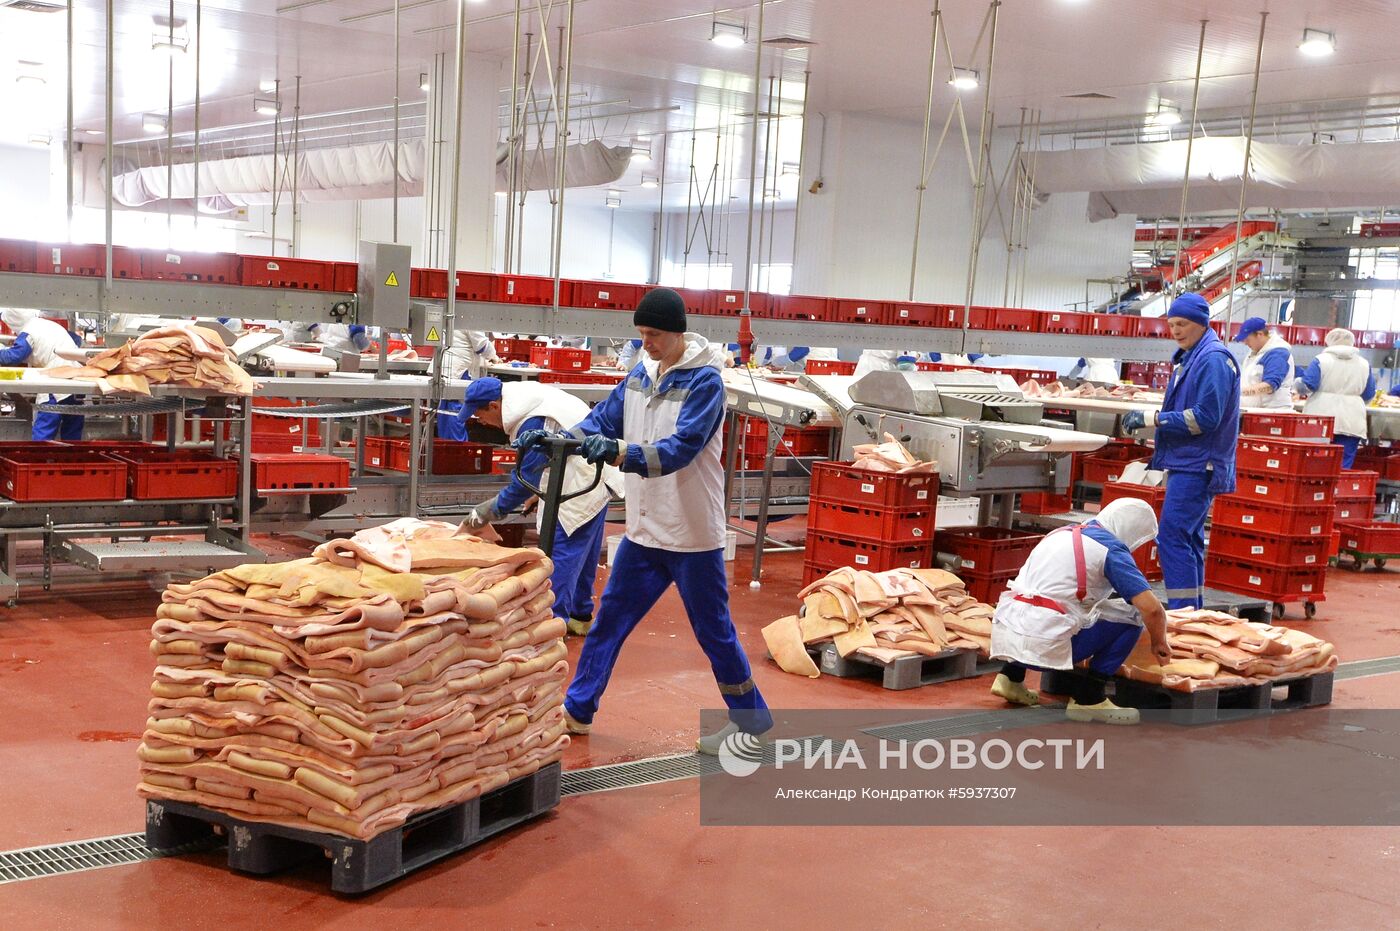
[515,350]
[848,311]
[1013,319]
[1148,560]
[1054,321]
[264,271]
[913,314]
[17,255]
[308,472]
[606,295]
[1354,510]
[210,267]
[1372,537]
[840,481]
[183,473]
[530,289]
[878,525]
[1154,495]
[790,307]
[1287,457]
[830,367]
[1287,490]
[1280,519]
[477,286]
[792,444]
[1383,460]
[561,358]
[1102,470]
[1309,335]
[1152,327]
[1375,339]
[61,474]
[1286,425]
[836,550]
[730,303]
[1272,583]
[1271,549]
[1111,325]
[987,550]
[85,260]
[1357,485]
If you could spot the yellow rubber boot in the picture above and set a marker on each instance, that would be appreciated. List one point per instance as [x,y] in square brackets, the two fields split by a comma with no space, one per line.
[575,726]
[1105,712]
[1014,692]
[579,626]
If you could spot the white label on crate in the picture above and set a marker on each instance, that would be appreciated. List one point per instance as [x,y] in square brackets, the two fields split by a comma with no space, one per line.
[57,256]
[1261,489]
[1246,518]
[904,311]
[1319,496]
[374,460]
[1273,463]
[860,311]
[1255,580]
[1307,588]
[1353,544]
[1256,551]
[273,267]
[916,564]
[1054,318]
[296,428]
[1317,528]
[921,495]
[969,564]
[731,298]
[867,488]
[172,258]
[1113,478]
[862,560]
[603,296]
[918,531]
[510,286]
[1275,431]
[1310,560]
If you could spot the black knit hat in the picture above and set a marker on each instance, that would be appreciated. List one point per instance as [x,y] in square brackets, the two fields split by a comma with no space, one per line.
[661,309]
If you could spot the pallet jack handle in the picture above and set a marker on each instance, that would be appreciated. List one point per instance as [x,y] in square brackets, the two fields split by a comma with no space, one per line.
[560,449]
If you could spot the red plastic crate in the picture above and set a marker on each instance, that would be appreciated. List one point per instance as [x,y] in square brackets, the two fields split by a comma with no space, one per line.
[1040,502]
[1273,583]
[481,286]
[839,481]
[581,378]
[811,572]
[17,255]
[1013,318]
[697,301]
[450,457]
[730,303]
[934,315]
[215,267]
[1286,424]
[1103,470]
[790,307]
[830,549]
[1148,561]
[987,550]
[792,444]
[1055,321]
[1154,495]
[1270,549]
[878,525]
[1287,457]
[428,282]
[1375,339]
[1111,325]
[849,311]
[1336,548]
[515,350]
[986,588]
[87,260]
[264,271]
[1383,460]
[1247,514]
[309,472]
[607,295]
[830,367]
[1353,510]
[61,474]
[502,460]
[1152,327]
[1274,488]
[530,289]
[1309,335]
[561,358]
[274,443]
[1370,536]
[182,473]
[345,276]
[1357,485]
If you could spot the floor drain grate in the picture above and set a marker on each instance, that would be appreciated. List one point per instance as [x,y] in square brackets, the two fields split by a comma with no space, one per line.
[78,856]
[1361,668]
[637,773]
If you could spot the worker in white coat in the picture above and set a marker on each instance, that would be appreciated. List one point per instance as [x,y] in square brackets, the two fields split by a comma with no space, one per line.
[1102,371]
[472,351]
[1266,375]
[345,337]
[520,407]
[43,344]
[885,360]
[1048,618]
[1339,383]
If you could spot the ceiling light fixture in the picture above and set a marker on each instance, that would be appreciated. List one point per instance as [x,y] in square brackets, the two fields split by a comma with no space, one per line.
[1165,116]
[92,132]
[268,86]
[641,149]
[153,122]
[265,105]
[790,169]
[171,43]
[728,35]
[39,139]
[649,181]
[423,83]
[965,79]
[770,195]
[30,79]
[1317,43]
[613,200]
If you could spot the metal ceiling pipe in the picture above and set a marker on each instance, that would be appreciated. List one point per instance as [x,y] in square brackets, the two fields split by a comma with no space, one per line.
[511,139]
[923,160]
[1244,176]
[1190,141]
[983,160]
[68,136]
[198,50]
[109,103]
[396,121]
[746,313]
[801,161]
[566,65]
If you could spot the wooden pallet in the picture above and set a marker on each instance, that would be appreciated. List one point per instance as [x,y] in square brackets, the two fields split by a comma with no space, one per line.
[358,865]
[1204,706]
[906,672]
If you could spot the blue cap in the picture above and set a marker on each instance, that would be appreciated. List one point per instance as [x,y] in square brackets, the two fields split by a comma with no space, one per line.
[1251,326]
[480,392]
[1191,306]
[798,353]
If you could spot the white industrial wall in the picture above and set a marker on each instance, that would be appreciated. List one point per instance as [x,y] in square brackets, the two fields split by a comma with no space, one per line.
[728,237]
[598,242]
[26,206]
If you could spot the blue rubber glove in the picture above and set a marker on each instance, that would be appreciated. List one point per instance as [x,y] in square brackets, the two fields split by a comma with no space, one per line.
[528,440]
[1134,421]
[598,448]
[358,338]
[481,515]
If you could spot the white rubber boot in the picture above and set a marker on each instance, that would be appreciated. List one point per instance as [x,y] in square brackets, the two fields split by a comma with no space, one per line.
[1014,692]
[575,726]
[710,743]
[1105,712]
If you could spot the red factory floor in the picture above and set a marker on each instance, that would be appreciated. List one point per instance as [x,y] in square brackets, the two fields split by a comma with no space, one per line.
[74,673]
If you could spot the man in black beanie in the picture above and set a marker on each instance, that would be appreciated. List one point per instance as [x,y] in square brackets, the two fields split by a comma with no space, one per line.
[661,427]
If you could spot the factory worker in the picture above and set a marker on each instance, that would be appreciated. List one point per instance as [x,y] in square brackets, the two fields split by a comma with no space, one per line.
[344,338]
[449,425]
[1103,371]
[782,358]
[1339,383]
[43,344]
[1195,445]
[525,407]
[950,358]
[470,354]
[878,360]
[627,354]
[1048,618]
[662,428]
[1266,375]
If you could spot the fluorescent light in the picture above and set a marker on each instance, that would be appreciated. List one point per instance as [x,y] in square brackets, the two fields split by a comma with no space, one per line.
[267,105]
[268,86]
[153,123]
[30,79]
[612,202]
[790,169]
[965,79]
[770,194]
[92,132]
[39,139]
[641,149]
[1165,116]
[423,83]
[171,42]
[728,35]
[649,181]
[1317,43]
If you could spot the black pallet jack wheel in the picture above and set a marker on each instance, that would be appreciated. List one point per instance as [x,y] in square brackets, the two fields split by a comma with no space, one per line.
[1278,610]
[1309,610]
[1380,563]
[1357,564]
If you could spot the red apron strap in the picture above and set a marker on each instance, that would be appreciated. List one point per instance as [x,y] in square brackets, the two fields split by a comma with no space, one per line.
[1081,570]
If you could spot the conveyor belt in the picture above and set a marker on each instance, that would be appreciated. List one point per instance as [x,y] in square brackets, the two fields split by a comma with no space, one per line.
[343,409]
[121,407]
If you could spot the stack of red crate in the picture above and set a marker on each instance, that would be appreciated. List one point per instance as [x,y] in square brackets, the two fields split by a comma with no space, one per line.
[869,520]
[1272,537]
[1154,375]
[1146,555]
[988,557]
[795,442]
[1106,465]
[1356,495]
[1383,460]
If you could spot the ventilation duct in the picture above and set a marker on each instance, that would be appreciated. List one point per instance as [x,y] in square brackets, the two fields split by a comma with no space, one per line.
[359,172]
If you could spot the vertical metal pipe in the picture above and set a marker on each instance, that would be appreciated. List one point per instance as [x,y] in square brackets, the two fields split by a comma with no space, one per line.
[660,244]
[111,71]
[170,133]
[68,137]
[1244,175]
[923,161]
[561,161]
[801,162]
[982,159]
[1016,195]
[276,132]
[753,172]
[511,140]
[454,187]
[396,120]
[524,188]
[198,50]
[757,260]
[1190,140]
[296,165]
[777,168]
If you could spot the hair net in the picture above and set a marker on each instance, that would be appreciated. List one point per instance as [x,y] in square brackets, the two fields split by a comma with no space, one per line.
[1130,520]
[16,318]
[1340,336]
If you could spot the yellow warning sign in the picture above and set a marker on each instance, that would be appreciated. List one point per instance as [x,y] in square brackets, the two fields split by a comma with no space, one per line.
[432,336]
[392,281]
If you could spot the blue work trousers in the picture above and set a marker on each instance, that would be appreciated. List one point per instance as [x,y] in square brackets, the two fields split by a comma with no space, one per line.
[1181,538]
[576,567]
[640,575]
[1105,645]
[1348,445]
[49,426]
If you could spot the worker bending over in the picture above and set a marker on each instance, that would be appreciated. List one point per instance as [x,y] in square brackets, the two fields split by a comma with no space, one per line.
[1197,428]
[1048,618]
[470,354]
[662,428]
[1266,375]
[43,344]
[1341,383]
[525,407]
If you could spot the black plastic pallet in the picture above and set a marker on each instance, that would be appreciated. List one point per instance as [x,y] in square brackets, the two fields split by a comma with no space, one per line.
[1204,706]
[359,865]
[906,672]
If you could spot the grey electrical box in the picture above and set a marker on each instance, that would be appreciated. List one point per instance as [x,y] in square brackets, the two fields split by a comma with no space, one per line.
[385,269]
[425,324]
